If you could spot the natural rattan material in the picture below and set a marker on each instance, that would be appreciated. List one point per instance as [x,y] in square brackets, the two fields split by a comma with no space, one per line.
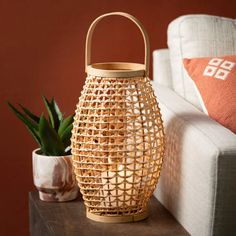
[117,144]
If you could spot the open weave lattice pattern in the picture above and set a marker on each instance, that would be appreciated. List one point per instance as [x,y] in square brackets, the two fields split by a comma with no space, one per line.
[117,144]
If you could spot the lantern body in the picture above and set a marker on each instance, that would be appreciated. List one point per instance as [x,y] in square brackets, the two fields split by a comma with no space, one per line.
[117,142]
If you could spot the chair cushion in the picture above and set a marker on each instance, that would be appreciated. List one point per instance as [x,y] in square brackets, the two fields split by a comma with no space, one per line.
[215,80]
[198,36]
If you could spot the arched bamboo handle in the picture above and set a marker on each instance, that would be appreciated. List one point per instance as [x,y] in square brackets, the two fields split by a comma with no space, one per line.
[130,17]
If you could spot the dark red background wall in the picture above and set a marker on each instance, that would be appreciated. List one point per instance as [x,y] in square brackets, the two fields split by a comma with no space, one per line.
[42,52]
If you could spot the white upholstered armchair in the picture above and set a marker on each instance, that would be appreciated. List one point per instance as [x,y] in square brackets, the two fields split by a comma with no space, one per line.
[198,181]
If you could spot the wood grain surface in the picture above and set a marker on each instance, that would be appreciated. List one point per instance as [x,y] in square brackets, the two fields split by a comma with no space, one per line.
[69,219]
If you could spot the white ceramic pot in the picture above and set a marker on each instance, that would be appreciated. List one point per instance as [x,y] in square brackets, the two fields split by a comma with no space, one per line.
[54,177]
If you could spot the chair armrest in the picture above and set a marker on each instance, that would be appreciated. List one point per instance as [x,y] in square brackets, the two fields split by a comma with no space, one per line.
[197,182]
[162,68]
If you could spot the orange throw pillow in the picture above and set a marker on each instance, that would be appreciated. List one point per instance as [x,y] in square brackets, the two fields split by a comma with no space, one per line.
[215,80]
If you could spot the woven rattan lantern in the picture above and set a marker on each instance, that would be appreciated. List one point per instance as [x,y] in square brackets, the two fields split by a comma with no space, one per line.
[117,137]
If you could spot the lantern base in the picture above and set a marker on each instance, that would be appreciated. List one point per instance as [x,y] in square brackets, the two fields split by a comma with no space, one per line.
[117,219]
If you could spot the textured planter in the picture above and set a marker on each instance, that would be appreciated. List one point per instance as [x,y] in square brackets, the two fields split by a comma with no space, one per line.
[54,177]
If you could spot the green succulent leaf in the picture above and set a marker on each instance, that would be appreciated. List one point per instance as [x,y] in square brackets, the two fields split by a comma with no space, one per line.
[53,135]
[52,145]
[64,124]
[56,109]
[30,114]
[31,125]
[52,114]
[66,135]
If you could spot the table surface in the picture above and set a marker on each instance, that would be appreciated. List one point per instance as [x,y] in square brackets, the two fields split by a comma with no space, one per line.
[70,219]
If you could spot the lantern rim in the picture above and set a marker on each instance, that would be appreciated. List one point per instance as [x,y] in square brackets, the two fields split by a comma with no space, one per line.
[116,69]
[117,218]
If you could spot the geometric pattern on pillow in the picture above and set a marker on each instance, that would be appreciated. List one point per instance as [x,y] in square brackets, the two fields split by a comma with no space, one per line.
[218,68]
[215,81]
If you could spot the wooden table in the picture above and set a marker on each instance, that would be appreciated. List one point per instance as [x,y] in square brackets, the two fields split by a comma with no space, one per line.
[68,219]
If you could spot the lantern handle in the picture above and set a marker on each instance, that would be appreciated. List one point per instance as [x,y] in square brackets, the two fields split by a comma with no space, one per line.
[130,17]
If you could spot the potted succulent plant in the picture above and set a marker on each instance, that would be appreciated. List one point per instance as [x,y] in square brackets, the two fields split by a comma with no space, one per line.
[52,165]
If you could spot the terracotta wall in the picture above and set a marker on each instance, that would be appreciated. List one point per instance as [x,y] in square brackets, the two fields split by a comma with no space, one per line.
[42,52]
